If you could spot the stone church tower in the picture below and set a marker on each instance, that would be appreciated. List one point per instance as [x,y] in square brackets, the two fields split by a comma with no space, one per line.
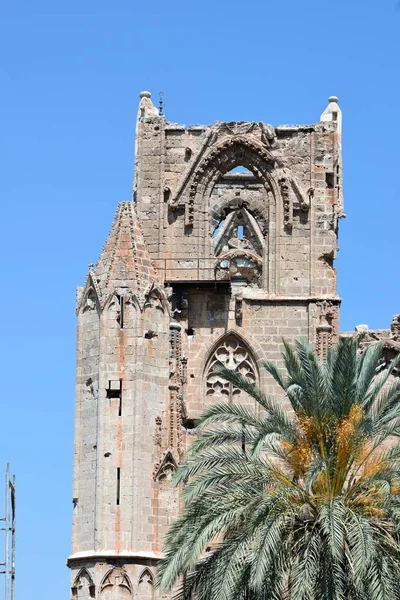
[227,247]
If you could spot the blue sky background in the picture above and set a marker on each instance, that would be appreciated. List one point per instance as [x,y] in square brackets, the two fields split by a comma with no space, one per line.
[71,73]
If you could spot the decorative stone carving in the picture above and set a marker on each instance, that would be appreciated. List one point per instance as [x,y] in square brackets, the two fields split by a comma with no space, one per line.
[179,306]
[258,212]
[395,328]
[226,236]
[287,203]
[325,327]
[238,310]
[174,354]
[90,297]
[90,301]
[158,434]
[268,134]
[154,300]
[146,585]
[233,354]
[236,150]
[83,587]
[116,584]
[165,467]
[239,264]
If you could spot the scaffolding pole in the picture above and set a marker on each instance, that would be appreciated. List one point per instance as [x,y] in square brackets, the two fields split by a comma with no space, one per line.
[9,520]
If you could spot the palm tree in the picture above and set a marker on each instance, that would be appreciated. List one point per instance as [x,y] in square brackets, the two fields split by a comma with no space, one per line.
[301,505]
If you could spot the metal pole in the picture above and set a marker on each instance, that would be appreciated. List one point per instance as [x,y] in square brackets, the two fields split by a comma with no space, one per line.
[13,532]
[7,529]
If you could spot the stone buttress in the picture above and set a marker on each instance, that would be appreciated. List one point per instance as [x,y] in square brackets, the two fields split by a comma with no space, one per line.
[228,247]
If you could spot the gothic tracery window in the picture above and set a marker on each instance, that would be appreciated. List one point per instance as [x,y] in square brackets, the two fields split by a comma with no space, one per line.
[116,586]
[233,354]
[238,231]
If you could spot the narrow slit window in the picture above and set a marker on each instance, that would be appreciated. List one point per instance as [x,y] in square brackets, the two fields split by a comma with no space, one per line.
[118,485]
[240,232]
[120,399]
[243,440]
[121,312]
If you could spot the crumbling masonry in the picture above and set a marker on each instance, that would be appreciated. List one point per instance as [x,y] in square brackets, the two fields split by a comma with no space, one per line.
[228,246]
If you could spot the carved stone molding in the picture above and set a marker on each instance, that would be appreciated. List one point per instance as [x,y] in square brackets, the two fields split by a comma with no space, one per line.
[232,151]
[287,203]
[83,587]
[325,330]
[165,467]
[395,328]
[239,264]
[117,584]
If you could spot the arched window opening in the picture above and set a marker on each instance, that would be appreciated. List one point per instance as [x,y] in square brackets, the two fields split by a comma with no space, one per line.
[240,169]
[238,231]
[232,353]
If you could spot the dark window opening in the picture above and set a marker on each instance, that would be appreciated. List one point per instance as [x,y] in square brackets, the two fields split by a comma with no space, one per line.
[188,153]
[329,180]
[118,485]
[244,441]
[120,401]
[121,311]
[167,194]
[190,331]
[114,389]
[189,423]
[334,115]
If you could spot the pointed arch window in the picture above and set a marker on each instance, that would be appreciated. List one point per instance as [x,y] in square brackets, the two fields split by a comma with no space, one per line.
[146,585]
[83,588]
[239,231]
[234,354]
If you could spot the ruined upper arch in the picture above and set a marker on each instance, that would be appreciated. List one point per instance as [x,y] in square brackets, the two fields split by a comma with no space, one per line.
[222,158]
[232,153]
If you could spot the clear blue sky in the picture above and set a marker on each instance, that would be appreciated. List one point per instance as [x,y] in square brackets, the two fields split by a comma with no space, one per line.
[71,74]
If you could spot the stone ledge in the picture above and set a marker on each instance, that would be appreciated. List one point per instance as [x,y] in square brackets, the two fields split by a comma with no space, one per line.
[111,554]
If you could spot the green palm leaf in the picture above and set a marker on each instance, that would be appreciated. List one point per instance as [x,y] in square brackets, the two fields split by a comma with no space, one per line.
[311,508]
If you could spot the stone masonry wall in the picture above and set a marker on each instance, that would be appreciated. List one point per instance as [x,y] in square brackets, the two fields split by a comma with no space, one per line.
[227,248]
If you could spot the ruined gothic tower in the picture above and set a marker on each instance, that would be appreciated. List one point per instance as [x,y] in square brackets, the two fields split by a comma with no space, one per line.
[227,246]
